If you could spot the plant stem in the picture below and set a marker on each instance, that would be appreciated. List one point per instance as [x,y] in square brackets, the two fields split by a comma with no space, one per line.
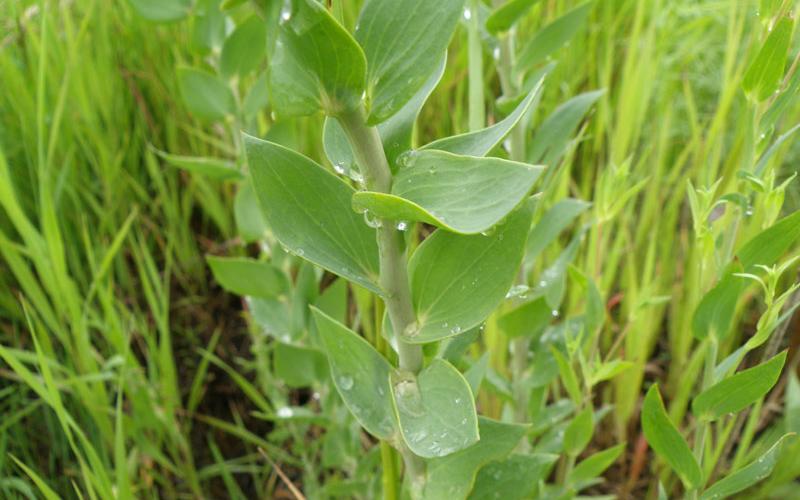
[519,361]
[369,154]
[708,379]
[389,478]
[477,110]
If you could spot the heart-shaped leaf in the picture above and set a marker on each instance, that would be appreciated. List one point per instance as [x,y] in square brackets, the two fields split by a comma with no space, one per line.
[435,409]
[205,95]
[666,441]
[481,142]
[316,64]
[515,477]
[361,375]
[250,277]
[458,280]
[463,194]
[736,392]
[404,41]
[244,48]
[309,210]
[453,476]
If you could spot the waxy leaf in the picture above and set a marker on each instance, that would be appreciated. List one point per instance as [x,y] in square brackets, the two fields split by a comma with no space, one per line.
[748,475]
[553,135]
[738,391]
[579,432]
[299,366]
[555,220]
[457,280]
[250,222]
[316,64]
[529,318]
[594,465]
[553,36]
[452,476]
[245,48]
[404,41]
[463,194]
[213,168]
[205,95]
[516,477]
[481,142]
[361,375]
[435,409]
[765,73]
[666,441]
[162,10]
[308,210]
[243,276]
[504,17]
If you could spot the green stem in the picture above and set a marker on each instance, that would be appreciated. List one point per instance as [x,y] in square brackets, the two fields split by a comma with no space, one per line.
[369,154]
[477,110]
[389,478]
[708,379]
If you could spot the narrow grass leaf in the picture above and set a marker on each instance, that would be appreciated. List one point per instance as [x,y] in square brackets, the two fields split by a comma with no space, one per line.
[579,432]
[552,223]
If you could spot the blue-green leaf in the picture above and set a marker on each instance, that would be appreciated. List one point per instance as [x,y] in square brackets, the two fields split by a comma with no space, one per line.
[308,210]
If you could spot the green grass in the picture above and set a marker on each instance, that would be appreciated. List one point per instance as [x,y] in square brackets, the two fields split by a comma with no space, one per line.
[127,372]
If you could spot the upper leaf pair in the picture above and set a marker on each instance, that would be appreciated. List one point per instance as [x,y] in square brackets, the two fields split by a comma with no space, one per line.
[318,65]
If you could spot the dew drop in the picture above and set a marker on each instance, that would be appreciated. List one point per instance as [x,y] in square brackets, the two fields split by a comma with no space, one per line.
[371,220]
[543,283]
[300,252]
[286,12]
[455,330]
[554,313]
[467,14]
[412,330]
[407,159]
[285,412]
[339,168]
[402,225]
[345,382]
[496,53]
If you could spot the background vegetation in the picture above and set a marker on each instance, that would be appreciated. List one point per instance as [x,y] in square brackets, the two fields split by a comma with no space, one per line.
[127,371]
